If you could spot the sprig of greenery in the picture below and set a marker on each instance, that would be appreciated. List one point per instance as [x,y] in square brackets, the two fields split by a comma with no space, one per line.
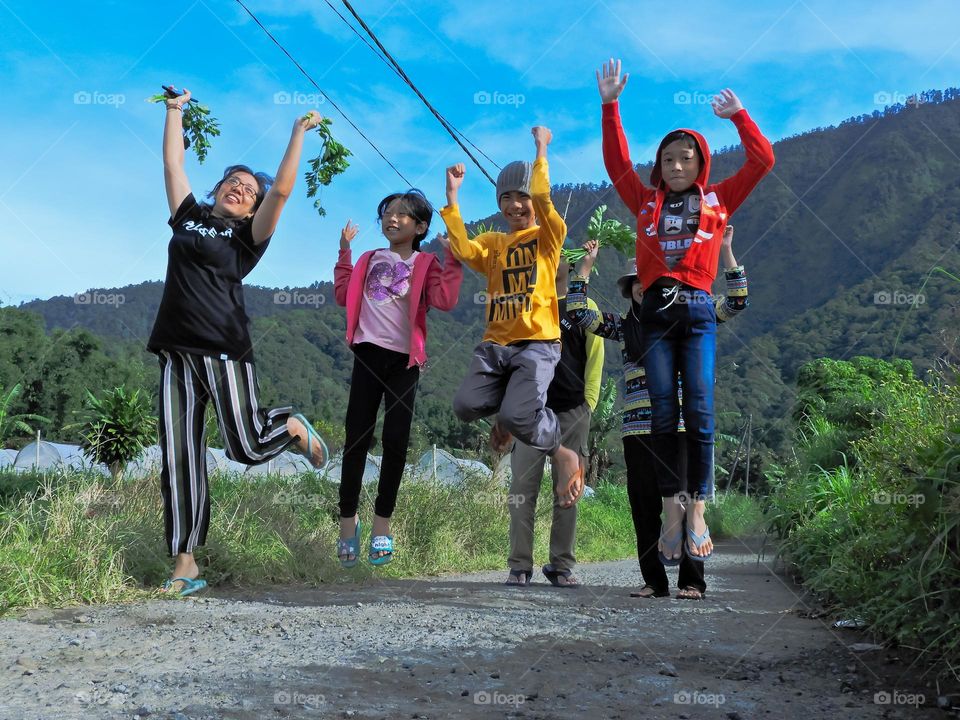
[198,125]
[481,228]
[607,233]
[331,161]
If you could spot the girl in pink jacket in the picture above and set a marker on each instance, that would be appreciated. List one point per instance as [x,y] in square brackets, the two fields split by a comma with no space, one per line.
[387,295]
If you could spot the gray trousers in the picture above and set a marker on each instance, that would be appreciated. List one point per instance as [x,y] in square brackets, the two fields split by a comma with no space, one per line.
[527,466]
[512,380]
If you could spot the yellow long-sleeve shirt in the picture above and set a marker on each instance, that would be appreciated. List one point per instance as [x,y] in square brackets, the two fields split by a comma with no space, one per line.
[520,267]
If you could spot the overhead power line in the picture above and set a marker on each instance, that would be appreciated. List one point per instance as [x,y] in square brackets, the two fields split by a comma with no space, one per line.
[446,125]
[320,90]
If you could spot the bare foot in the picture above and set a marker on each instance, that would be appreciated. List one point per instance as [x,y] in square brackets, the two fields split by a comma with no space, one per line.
[671,532]
[381,526]
[566,464]
[689,593]
[296,429]
[500,438]
[348,528]
[697,523]
[184,566]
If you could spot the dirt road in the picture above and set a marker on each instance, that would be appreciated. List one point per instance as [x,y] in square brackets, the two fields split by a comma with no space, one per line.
[459,647]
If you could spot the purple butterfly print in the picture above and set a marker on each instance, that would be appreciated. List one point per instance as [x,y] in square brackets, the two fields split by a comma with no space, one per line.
[386,282]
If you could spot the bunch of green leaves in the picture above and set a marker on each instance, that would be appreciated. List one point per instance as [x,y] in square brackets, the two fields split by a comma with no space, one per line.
[607,233]
[480,228]
[331,161]
[11,422]
[117,429]
[198,125]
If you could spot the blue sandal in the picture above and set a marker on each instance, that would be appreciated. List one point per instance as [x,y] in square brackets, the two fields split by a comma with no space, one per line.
[381,543]
[675,541]
[190,585]
[698,541]
[311,434]
[350,546]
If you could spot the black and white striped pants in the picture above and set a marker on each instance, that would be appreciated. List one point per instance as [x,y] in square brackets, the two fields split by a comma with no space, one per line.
[188,383]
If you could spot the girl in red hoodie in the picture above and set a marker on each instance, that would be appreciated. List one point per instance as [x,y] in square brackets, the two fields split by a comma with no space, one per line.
[680,221]
[387,296]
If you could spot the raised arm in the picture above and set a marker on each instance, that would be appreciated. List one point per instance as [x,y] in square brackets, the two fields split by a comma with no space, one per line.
[268,214]
[616,154]
[734,190]
[463,248]
[443,283]
[736,300]
[344,266]
[174,176]
[581,310]
[553,230]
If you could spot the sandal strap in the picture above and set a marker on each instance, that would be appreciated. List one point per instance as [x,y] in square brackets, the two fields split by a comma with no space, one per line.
[381,543]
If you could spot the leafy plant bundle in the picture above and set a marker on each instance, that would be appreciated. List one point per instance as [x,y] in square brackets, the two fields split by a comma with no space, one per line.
[198,125]
[117,428]
[331,161]
[607,233]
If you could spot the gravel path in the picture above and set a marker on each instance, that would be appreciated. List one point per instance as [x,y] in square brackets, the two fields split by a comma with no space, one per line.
[461,646]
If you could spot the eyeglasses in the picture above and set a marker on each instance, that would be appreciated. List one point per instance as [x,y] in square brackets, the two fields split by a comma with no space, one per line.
[248,190]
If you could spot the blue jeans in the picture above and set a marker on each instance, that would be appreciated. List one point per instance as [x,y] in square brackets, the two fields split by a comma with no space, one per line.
[680,338]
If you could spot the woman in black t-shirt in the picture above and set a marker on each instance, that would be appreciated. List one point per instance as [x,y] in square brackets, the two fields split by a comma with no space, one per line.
[202,337]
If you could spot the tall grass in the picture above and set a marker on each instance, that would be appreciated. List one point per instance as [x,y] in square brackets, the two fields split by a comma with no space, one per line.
[76,538]
[879,534]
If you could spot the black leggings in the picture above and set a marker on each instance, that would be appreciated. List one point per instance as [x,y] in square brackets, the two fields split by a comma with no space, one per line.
[377,372]
[646,506]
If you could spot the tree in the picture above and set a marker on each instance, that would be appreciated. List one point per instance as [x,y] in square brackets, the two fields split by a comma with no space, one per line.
[118,428]
[10,422]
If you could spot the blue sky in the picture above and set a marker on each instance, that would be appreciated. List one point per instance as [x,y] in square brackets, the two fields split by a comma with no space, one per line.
[81,187]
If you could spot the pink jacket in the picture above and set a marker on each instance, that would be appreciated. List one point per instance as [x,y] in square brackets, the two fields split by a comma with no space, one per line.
[435,286]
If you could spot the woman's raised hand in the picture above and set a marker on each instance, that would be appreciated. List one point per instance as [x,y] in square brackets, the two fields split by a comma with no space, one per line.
[309,121]
[180,101]
[609,82]
[347,235]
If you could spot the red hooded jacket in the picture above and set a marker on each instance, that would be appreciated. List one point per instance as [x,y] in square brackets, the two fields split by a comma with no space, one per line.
[698,268]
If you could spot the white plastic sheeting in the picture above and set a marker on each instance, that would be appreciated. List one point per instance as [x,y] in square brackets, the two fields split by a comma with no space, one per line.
[55,456]
[438,464]
[286,464]
[7,458]
[371,468]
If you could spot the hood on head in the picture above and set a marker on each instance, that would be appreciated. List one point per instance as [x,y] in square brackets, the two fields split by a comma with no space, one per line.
[656,178]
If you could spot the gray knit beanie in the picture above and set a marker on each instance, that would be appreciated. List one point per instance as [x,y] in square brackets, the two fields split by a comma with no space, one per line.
[514,176]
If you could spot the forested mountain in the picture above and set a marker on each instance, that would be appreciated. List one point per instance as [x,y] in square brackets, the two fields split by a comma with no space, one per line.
[837,240]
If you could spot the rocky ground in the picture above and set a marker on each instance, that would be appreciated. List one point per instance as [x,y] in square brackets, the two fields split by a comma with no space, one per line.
[461,646]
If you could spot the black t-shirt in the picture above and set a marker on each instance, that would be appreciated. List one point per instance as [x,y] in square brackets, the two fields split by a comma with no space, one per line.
[566,391]
[679,221]
[202,309]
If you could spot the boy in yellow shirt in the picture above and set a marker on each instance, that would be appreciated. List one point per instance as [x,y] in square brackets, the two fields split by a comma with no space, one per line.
[513,365]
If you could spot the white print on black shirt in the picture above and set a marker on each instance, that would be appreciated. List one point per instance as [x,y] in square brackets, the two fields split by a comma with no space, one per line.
[192,226]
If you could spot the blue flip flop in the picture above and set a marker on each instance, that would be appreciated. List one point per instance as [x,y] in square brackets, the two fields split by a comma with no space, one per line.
[190,585]
[381,543]
[311,434]
[350,546]
[698,541]
[674,541]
